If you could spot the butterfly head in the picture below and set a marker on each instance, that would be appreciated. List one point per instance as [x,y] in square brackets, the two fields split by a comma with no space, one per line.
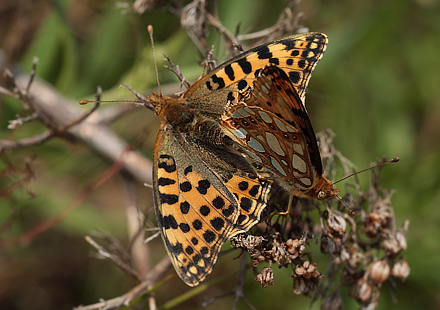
[325,189]
[158,101]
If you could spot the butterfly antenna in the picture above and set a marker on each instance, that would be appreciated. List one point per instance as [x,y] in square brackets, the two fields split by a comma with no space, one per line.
[394,160]
[83,102]
[150,32]
[353,212]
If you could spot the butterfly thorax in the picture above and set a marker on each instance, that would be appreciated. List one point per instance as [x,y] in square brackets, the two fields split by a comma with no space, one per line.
[195,126]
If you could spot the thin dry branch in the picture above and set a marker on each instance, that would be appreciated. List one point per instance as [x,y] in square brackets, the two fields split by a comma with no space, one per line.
[55,110]
[155,275]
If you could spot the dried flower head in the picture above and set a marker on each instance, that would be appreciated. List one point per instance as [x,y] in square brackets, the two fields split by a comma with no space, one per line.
[265,277]
[306,278]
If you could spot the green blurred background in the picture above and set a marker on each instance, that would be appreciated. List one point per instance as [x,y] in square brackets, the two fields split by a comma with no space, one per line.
[377,87]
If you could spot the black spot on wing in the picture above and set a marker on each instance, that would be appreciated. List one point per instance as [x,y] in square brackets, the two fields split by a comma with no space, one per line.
[230,72]
[243,185]
[209,236]
[229,211]
[218,223]
[197,224]
[305,54]
[241,218]
[169,222]
[274,61]
[254,190]
[242,84]
[189,250]
[294,77]
[204,210]
[203,186]
[165,181]
[188,170]
[168,198]
[185,186]
[245,65]
[184,207]
[167,163]
[246,204]
[219,81]
[184,227]
[176,248]
[264,53]
[218,202]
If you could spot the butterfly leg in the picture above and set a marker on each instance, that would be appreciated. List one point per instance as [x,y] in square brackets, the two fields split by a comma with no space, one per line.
[289,208]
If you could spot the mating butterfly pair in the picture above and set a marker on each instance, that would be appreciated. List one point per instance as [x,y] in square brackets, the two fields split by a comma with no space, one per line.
[223,142]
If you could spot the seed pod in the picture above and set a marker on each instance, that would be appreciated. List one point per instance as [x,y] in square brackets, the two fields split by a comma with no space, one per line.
[327,245]
[336,223]
[332,302]
[379,271]
[401,270]
[362,291]
[392,245]
[401,239]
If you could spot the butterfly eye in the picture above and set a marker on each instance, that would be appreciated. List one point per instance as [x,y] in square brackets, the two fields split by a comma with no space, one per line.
[321,195]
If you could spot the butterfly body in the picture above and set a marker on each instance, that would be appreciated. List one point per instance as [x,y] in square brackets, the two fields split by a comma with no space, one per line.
[205,190]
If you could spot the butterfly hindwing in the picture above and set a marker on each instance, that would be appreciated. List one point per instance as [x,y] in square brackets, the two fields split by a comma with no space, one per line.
[273,128]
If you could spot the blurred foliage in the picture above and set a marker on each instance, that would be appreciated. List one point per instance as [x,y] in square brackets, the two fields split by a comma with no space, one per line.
[377,87]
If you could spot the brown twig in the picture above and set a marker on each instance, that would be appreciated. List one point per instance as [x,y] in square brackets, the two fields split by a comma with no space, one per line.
[155,275]
[114,258]
[176,70]
[55,109]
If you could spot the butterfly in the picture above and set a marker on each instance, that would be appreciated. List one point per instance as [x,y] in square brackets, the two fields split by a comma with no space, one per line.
[271,125]
[205,190]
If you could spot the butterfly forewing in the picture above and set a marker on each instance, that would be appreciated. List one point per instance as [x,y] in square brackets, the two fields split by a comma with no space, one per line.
[198,205]
[296,55]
